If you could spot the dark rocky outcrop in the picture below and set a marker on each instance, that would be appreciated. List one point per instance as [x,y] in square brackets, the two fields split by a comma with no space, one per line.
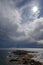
[24,58]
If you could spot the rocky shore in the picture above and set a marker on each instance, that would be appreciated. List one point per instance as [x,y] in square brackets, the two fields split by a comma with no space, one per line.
[23,57]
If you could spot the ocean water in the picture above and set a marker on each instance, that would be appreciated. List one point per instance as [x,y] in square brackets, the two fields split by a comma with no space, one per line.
[4,54]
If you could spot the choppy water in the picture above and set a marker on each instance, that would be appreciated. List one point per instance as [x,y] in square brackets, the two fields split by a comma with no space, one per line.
[4,53]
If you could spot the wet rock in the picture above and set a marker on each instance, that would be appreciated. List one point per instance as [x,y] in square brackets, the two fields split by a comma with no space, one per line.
[12,60]
[24,58]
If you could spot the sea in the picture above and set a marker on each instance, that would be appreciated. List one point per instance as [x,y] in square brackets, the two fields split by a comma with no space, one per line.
[4,54]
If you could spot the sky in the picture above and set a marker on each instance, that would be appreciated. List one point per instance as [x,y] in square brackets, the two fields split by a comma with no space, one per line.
[21,23]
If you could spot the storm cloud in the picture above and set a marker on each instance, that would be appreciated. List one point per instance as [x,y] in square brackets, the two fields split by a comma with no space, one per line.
[18,24]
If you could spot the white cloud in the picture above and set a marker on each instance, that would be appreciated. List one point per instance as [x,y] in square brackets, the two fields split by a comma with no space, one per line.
[40,41]
[31,31]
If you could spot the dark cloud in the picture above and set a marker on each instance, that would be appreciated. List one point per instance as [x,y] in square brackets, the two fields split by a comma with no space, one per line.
[18,25]
[22,3]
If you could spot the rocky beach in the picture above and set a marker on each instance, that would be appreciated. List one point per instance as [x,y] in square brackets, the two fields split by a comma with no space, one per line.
[22,57]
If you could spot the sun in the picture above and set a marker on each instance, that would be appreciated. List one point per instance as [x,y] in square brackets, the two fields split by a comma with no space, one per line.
[35,9]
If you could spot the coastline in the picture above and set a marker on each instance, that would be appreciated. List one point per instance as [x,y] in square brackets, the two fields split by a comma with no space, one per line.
[21,49]
[23,57]
[31,51]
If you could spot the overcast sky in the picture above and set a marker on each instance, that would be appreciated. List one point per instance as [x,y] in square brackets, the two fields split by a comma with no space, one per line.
[21,23]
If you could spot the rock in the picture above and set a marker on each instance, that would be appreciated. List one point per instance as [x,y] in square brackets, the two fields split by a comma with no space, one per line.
[23,57]
[19,52]
[32,62]
[12,60]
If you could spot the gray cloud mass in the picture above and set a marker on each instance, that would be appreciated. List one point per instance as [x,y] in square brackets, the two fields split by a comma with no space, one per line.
[18,23]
